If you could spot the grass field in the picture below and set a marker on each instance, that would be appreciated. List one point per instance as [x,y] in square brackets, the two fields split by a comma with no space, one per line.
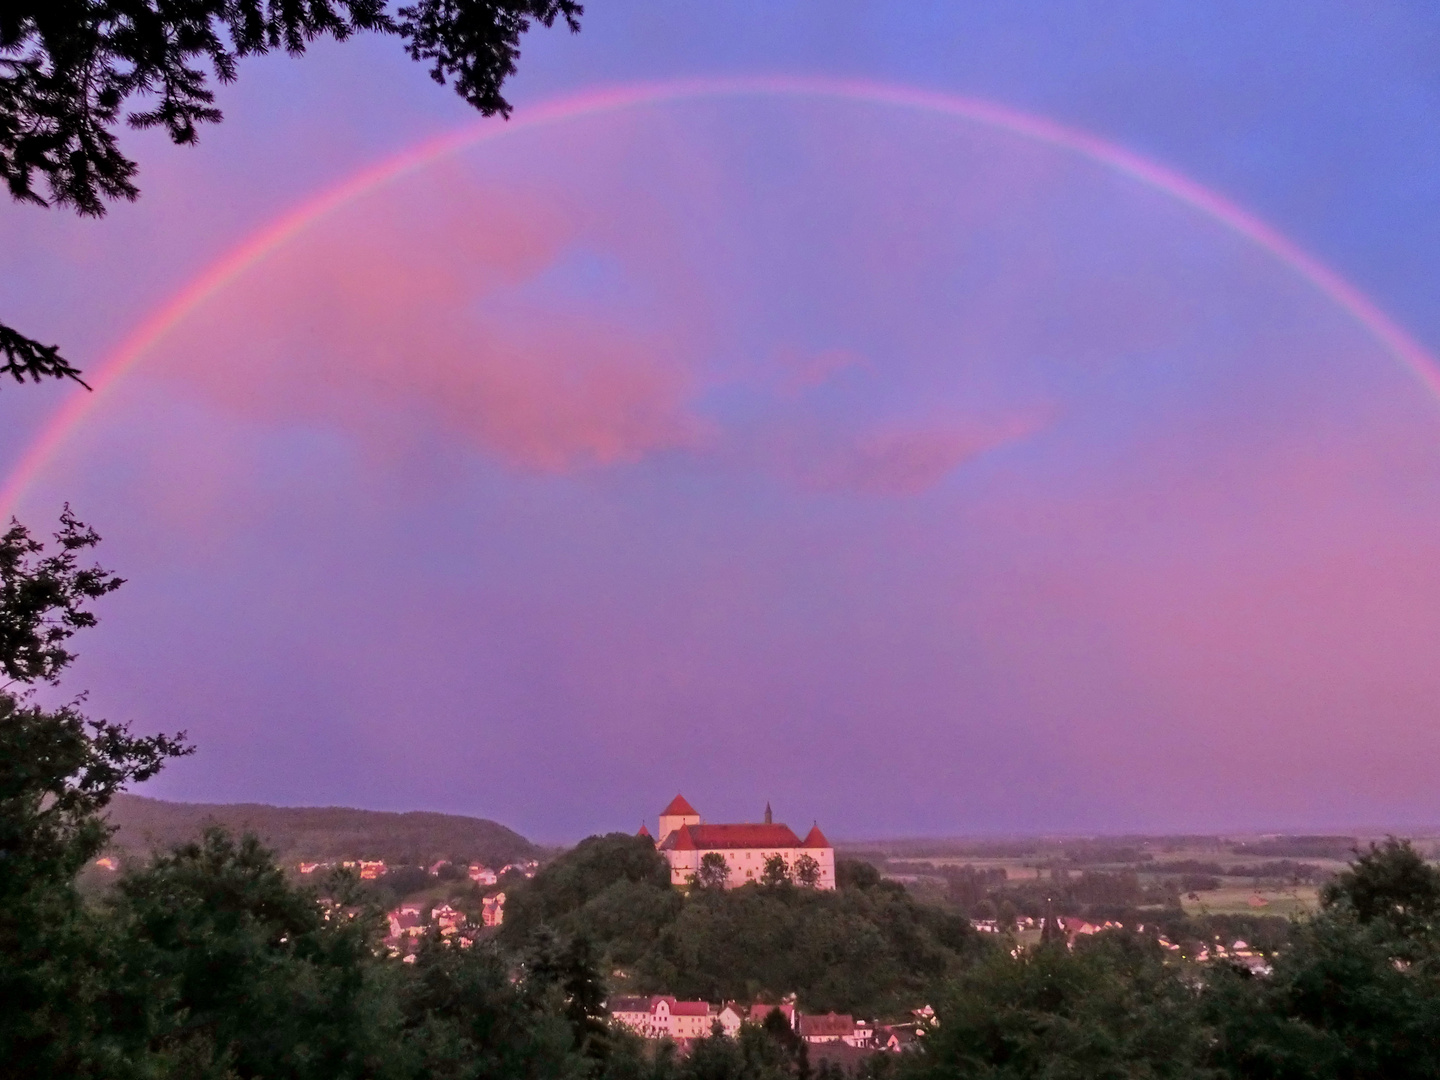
[1297,900]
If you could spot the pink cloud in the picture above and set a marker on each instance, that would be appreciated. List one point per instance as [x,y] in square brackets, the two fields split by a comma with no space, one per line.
[887,458]
[416,320]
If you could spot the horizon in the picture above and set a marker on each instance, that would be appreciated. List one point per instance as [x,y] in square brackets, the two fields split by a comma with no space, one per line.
[1361,833]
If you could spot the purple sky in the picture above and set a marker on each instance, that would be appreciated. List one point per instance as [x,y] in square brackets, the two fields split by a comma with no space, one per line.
[914,475]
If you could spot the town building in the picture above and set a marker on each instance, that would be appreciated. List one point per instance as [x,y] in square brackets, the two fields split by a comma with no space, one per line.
[447,919]
[830,1027]
[685,840]
[662,1016]
[492,910]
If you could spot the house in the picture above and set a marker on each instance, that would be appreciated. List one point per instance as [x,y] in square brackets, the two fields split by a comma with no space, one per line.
[1074,927]
[683,1019]
[483,875]
[731,1016]
[447,918]
[685,841]
[862,1036]
[632,1013]
[369,870]
[310,867]
[492,910]
[107,863]
[831,1027]
[437,866]
[662,1016]
[895,1037]
[406,921]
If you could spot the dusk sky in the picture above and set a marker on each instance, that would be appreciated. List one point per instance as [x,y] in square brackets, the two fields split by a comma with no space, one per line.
[932,419]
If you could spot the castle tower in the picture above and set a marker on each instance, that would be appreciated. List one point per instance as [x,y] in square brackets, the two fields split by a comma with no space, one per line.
[678,813]
[769,818]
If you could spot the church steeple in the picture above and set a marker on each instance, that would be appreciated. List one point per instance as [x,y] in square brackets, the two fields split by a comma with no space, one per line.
[769,818]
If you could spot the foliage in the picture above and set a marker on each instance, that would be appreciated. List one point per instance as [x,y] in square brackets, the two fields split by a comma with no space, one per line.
[775,873]
[214,941]
[25,358]
[323,833]
[868,947]
[807,871]
[44,598]
[1109,1008]
[714,871]
[1357,991]
[69,69]
[1390,884]
[1354,993]
[613,889]
[464,1019]
[58,771]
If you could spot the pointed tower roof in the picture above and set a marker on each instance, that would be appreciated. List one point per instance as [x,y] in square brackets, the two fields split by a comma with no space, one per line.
[769,818]
[679,808]
[681,840]
[644,832]
[815,838]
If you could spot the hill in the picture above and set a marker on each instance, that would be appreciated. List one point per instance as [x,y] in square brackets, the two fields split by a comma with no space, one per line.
[320,833]
[868,947]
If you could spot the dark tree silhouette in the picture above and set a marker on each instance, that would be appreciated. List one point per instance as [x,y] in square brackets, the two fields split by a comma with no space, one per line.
[69,68]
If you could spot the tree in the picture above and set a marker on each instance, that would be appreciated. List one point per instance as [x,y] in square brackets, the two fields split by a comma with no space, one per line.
[776,872]
[68,68]
[58,772]
[465,1018]
[1112,1007]
[43,599]
[807,871]
[215,941]
[1355,993]
[1391,884]
[568,972]
[714,872]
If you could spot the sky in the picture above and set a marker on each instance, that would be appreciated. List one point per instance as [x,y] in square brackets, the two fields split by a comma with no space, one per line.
[933,420]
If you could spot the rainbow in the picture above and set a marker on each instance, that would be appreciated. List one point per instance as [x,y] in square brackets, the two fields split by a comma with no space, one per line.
[246,255]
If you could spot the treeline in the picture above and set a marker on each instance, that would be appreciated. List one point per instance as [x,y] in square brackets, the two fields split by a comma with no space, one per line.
[867,948]
[319,833]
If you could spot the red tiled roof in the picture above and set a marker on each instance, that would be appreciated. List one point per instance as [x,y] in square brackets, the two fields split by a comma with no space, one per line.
[816,838]
[714,837]
[643,832]
[679,808]
[689,1008]
[829,1024]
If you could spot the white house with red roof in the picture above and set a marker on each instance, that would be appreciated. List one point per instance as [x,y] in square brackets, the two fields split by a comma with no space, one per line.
[684,840]
[663,1016]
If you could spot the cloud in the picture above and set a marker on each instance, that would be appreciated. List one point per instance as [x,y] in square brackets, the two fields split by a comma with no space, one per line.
[910,461]
[418,322]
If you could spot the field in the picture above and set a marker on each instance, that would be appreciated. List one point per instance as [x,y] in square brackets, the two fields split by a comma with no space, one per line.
[1124,878]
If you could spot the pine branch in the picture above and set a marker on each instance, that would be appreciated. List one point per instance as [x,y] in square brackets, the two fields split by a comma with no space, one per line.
[25,358]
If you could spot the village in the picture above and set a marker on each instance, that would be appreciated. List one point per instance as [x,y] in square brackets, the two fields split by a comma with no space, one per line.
[728,855]
[663,1017]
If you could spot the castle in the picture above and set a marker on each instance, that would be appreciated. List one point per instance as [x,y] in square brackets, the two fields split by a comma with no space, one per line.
[684,841]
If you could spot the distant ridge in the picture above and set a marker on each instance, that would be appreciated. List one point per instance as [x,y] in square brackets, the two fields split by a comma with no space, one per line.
[320,833]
